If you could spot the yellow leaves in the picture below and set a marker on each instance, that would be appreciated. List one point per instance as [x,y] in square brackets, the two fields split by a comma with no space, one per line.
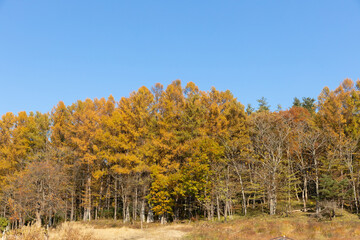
[20,137]
[159,196]
[95,148]
[98,174]
[338,110]
[191,89]
[162,202]
[166,135]
[120,170]
[5,164]
[88,158]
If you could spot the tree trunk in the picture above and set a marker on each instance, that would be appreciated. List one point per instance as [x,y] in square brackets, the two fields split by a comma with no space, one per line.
[124,208]
[225,210]
[38,218]
[66,208]
[135,204]
[209,211]
[212,209]
[243,195]
[272,195]
[242,188]
[108,193]
[163,219]
[349,160]
[87,205]
[99,206]
[127,217]
[115,200]
[72,206]
[355,195]
[150,216]
[304,193]
[317,186]
[272,205]
[218,207]
[142,213]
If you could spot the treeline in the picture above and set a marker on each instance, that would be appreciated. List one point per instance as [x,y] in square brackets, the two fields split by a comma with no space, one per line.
[179,153]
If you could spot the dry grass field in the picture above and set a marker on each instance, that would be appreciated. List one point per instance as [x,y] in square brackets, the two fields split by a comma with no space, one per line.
[299,226]
[99,231]
[103,229]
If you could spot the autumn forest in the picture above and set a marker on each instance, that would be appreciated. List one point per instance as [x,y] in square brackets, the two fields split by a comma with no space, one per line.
[178,153]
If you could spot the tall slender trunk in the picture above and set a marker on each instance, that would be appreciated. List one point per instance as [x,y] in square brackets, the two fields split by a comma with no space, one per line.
[227,193]
[99,206]
[244,206]
[142,213]
[72,206]
[317,185]
[124,207]
[163,219]
[212,209]
[66,208]
[89,205]
[272,194]
[127,217]
[304,193]
[108,193]
[349,163]
[243,195]
[253,202]
[115,199]
[208,206]
[218,207]
[135,205]
[354,191]
[38,218]
[87,202]
[20,220]
[150,216]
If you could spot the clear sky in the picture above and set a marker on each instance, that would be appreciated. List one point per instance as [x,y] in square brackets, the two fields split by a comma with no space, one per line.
[52,50]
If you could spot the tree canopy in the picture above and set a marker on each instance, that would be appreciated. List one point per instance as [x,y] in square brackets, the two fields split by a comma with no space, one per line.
[177,152]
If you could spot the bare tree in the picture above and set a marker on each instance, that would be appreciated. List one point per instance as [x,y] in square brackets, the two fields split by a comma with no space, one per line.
[270,132]
[39,190]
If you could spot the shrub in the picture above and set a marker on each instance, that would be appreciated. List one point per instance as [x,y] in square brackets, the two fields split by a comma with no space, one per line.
[27,233]
[3,223]
[70,231]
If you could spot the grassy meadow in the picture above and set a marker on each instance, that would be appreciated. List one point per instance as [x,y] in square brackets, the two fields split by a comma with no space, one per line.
[297,226]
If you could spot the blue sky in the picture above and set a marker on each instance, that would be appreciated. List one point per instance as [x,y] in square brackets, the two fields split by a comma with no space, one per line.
[69,50]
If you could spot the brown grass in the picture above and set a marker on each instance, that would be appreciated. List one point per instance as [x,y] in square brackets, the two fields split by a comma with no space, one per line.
[116,230]
[72,231]
[67,231]
[27,233]
[97,230]
[298,227]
